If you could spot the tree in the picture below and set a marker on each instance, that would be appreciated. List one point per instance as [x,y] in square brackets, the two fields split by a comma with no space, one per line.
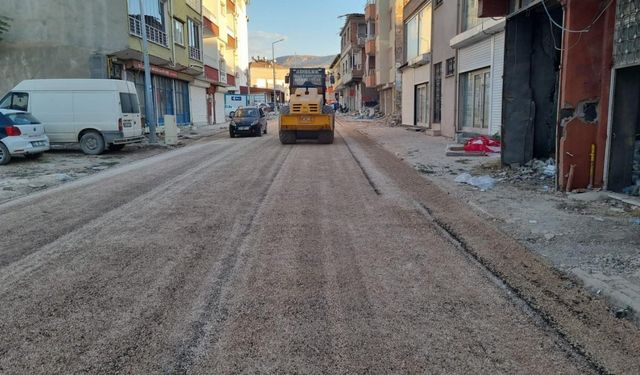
[4,25]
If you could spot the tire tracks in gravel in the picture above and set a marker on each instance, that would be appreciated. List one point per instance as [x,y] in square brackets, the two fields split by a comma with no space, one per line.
[205,330]
[69,214]
[531,284]
[43,254]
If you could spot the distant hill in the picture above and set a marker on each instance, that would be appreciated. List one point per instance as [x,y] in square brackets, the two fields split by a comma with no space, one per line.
[305,61]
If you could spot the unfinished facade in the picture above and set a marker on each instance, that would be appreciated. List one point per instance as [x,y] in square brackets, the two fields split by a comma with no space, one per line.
[557,76]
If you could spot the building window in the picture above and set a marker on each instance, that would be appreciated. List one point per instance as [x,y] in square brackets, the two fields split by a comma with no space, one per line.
[470,14]
[437,93]
[154,18]
[418,33]
[183,115]
[223,71]
[475,92]
[451,66]
[422,105]
[178,32]
[195,40]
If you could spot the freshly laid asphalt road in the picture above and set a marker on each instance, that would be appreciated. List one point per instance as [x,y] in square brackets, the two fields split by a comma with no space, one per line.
[247,256]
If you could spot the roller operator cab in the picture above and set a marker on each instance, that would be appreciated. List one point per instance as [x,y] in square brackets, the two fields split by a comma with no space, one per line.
[306,116]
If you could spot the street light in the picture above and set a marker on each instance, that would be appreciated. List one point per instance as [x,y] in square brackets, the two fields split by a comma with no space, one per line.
[273,64]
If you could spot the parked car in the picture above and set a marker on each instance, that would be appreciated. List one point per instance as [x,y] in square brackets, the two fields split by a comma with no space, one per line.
[21,134]
[97,113]
[248,121]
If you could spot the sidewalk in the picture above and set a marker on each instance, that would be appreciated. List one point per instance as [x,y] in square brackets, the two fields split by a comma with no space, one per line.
[591,236]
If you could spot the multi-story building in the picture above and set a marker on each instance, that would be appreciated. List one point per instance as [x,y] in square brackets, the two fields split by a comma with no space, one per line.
[226,53]
[385,44]
[416,71]
[443,68]
[104,41]
[480,62]
[261,80]
[558,85]
[352,91]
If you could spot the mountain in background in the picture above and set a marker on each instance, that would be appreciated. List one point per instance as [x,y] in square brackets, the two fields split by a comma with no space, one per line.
[305,61]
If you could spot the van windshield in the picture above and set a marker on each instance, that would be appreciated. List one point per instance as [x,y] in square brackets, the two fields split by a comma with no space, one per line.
[129,103]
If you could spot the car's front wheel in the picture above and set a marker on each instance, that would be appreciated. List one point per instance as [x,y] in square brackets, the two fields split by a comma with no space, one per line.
[92,143]
[5,157]
[232,134]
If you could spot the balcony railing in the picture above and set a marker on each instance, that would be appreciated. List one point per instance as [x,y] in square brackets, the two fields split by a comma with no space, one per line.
[154,35]
[195,53]
[370,46]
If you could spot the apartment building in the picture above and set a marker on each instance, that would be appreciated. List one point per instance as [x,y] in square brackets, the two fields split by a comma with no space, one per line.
[226,55]
[443,69]
[104,41]
[350,72]
[416,70]
[479,69]
[383,49]
[558,86]
[261,80]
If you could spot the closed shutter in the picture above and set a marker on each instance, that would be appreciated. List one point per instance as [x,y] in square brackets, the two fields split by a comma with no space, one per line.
[476,56]
[497,72]
[198,105]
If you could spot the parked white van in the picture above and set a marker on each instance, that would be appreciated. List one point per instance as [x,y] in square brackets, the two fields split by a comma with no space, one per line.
[97,113]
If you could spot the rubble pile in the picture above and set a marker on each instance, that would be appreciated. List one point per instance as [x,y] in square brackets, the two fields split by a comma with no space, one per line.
[534,174]
[634,189]
[369,113]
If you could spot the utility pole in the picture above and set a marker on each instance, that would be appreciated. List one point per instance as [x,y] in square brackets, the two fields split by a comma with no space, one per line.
[148,92]
[273,64]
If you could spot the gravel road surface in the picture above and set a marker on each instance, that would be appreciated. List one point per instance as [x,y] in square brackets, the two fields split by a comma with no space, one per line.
[247,256]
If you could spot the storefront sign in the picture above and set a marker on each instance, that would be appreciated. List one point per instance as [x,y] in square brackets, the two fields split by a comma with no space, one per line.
[137,65]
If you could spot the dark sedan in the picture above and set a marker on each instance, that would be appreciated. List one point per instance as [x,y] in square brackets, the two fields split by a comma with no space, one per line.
[248,121]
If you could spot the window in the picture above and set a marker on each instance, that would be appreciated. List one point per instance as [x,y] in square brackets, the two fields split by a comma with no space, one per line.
[437,93]
[418,33]
[129,103]
[178,32]
[195,40]
[18,101]
[183,115]
[422,105]
[475,99]
[451,66]
[470,14]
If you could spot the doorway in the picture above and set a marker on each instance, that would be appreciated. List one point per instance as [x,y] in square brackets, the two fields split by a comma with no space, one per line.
[624,158]
[422,105]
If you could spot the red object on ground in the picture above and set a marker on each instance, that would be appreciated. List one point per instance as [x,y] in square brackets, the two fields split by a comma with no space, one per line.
[482,144]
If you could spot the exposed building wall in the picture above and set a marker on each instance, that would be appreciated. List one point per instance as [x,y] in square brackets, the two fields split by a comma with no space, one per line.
[60,39]
[585,87]
[243,44]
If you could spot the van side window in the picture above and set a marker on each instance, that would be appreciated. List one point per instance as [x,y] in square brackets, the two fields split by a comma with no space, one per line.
[18,101]
[129,103]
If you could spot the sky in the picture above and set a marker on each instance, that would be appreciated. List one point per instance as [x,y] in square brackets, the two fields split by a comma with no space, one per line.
[309,27]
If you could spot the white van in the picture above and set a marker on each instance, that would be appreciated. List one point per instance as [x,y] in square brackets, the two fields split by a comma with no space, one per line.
[98,113]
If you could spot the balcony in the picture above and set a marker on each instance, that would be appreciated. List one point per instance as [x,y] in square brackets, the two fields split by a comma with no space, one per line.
[370,46]
[370,11]
[370,79]
[154,35]
[195,53]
